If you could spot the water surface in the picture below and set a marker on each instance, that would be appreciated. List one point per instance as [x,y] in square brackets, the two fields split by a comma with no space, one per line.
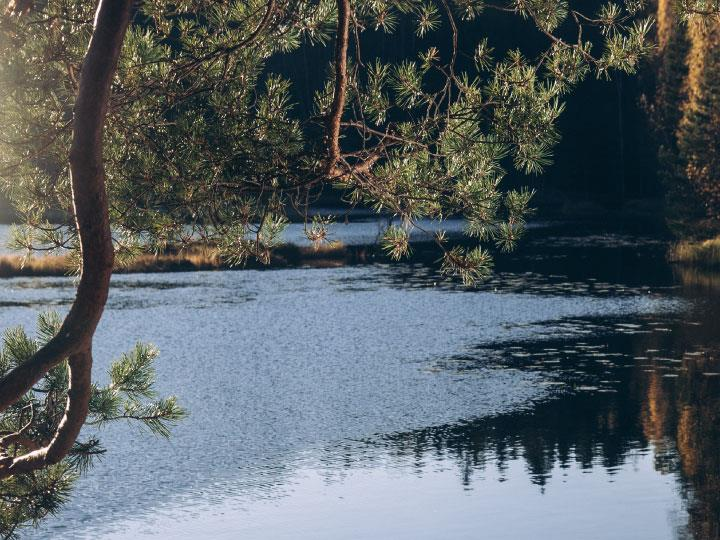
[575,395]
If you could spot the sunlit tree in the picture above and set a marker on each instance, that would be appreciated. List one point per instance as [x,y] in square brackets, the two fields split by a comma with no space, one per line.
[685,113]
[46,389]
[700,123]
[201,143]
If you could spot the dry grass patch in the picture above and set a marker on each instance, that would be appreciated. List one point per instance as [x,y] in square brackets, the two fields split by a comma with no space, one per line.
[187,260]
[705,253]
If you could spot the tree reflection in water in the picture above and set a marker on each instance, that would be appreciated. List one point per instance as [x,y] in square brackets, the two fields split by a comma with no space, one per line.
[647,385]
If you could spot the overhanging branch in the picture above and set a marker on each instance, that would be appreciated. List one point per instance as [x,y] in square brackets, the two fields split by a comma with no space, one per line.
[74,338]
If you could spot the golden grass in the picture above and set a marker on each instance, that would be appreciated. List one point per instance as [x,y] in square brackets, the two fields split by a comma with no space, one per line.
[189,259]
[195,258]
[51,265]
[704,253]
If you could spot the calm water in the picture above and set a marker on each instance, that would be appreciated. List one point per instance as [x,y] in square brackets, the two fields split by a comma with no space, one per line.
[575,395]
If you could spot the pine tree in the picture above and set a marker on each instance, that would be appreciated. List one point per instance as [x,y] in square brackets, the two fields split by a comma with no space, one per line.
[685,113]
[670,69]
[700,123]
[29,424]
[201,143]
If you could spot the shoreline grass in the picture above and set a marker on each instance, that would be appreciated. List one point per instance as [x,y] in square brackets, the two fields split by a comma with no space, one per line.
[701,253]
[194,258]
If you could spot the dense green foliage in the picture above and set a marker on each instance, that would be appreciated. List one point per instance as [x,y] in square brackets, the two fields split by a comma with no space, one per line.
[701,122]
[203,143]
[32,422]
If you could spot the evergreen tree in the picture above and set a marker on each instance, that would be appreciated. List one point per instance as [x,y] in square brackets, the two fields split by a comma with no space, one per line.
[700,125]
[31,423]
[46,389]
[201,144]
[685,113]
[670,70]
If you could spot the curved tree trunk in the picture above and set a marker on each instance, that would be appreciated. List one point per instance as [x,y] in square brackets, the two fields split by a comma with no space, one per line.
[74,340]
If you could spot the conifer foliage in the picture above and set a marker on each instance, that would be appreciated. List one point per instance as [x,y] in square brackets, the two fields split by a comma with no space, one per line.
[31,422]
[202,142]
[701,119]
[686,115]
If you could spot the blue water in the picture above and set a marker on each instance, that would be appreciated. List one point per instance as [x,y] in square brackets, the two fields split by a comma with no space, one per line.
[380,402]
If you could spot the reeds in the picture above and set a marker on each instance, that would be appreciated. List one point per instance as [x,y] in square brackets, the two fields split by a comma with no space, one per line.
[704,253]
[191,259]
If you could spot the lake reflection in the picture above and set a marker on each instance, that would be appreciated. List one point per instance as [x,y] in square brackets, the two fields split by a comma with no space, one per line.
[575,395]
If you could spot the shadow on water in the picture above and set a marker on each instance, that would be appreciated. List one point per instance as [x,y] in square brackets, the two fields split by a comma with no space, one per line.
[651,390]
[618,385]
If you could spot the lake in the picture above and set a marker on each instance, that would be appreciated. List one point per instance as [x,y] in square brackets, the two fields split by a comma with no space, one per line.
[576,394]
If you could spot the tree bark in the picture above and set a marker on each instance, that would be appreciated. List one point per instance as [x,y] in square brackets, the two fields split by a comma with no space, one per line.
[342,41]
[74,340]
[335,167]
